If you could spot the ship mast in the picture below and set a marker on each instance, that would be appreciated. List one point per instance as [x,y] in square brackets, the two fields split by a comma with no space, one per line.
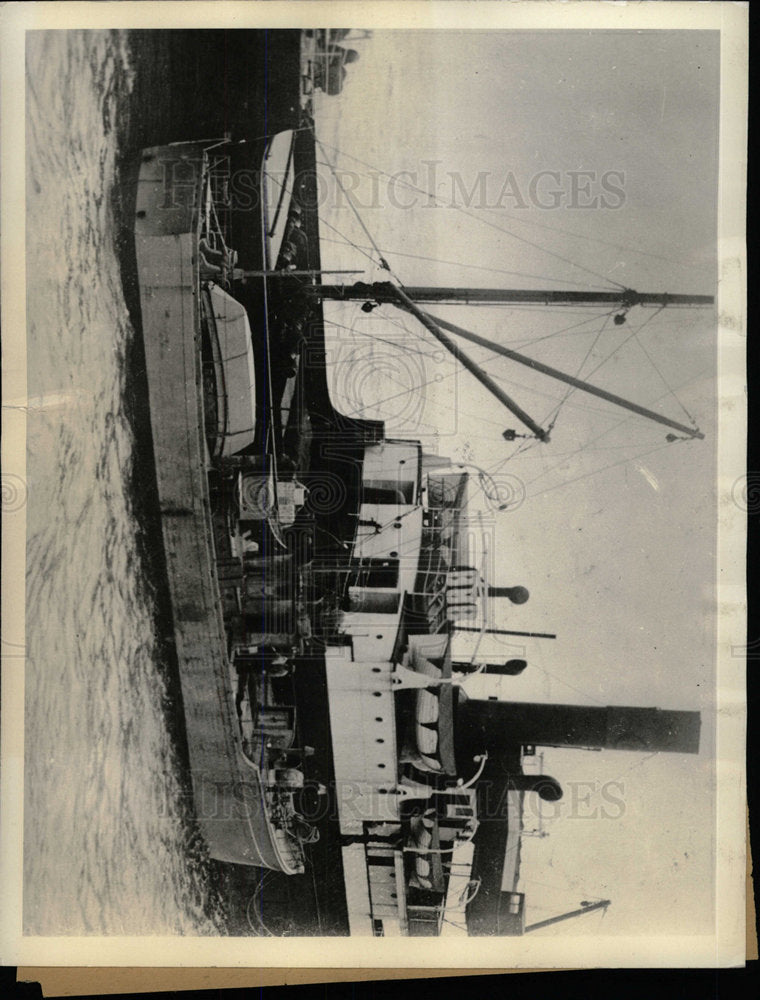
[409,297]
[385,291]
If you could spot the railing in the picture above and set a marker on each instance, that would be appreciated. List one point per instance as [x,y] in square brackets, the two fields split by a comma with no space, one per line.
[216,201]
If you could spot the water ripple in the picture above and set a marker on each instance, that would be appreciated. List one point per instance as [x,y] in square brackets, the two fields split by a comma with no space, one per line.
[106,822]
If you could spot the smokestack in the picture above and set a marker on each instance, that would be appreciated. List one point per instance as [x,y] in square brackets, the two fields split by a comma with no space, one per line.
[494,724]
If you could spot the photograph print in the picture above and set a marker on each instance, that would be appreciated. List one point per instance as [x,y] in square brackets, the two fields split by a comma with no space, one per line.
[371,489]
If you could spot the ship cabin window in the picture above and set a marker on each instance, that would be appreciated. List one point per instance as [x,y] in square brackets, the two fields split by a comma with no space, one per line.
[374,602]
[374,573]
[388,491]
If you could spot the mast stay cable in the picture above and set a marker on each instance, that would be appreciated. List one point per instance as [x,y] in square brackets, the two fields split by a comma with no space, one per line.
[525,221]
[435,325]
[492,225]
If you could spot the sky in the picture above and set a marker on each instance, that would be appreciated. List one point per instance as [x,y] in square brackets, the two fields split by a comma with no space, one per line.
[611,529]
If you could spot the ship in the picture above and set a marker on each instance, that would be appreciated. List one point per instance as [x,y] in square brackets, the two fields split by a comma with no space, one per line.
[318,567]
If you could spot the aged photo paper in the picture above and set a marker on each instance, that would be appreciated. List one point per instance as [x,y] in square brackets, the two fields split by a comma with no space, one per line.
[374,489]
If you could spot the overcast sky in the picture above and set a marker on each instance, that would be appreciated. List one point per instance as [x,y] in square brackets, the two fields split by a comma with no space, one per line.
[615,535]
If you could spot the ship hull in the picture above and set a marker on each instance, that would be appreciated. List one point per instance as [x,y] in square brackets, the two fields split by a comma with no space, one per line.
[228,792]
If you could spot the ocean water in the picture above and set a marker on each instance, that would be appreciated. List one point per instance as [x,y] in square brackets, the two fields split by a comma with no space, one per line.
[109,842]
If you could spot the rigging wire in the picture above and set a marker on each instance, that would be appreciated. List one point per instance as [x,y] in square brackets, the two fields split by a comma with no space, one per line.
[475,267]
[594,472]
[555,333]
[587,407]
[530,443]
[413,331]
[589,444]
[638,763]
[530,341]
[526,221]
[406,392]
[561,680]
[316,897]
[593,239]
[554,413]
[383,262]
[436,378]
[664,380]
[390,378]
[633,333]
[573,451]
[577,451]
[555,409]
[387,267]
[522,385]
[375,337]
[595,369]
[349,242]
[609,430]
[270,431]
[485,222]
[425,354]
[571,389]
[459,927]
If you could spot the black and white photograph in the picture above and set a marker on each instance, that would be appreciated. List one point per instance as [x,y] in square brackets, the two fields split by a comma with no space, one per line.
[376,509]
